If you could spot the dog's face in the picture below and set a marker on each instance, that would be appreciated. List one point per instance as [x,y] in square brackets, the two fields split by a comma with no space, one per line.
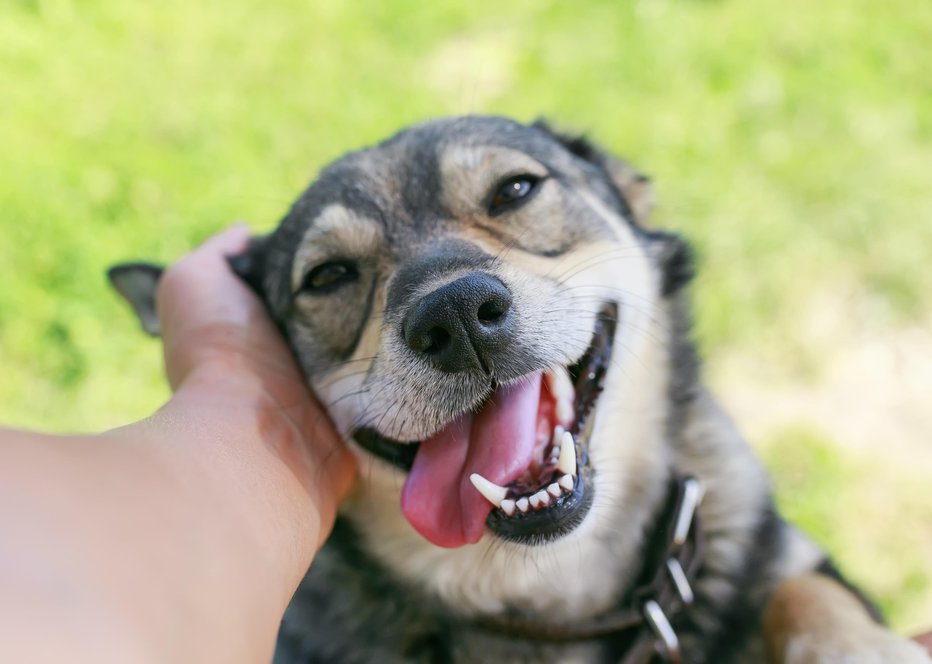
[478,306]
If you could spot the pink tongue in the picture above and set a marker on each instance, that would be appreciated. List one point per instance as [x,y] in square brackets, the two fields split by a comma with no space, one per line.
[497,442]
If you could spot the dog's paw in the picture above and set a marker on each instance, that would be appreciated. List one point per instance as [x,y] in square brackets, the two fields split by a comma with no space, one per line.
[873,645]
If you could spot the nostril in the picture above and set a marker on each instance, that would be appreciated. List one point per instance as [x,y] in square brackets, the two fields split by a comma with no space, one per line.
[437,340]
[492,311]
[431,342]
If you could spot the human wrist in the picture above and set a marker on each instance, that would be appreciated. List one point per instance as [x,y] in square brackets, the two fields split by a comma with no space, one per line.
[278,413]
[231,472]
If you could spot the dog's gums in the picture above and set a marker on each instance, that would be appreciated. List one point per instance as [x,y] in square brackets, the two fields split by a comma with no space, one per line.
[549,496]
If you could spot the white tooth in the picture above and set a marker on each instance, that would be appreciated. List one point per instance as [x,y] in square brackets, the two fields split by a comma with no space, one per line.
[522,504]
[566,482]
[535,501]
[543,497]
[561,387]
[493,493]
[567,461]
[565,410]
[558,380]
[508,506]
[555,490]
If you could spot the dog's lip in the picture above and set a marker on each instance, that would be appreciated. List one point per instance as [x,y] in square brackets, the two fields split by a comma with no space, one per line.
[564,513]
[400,455]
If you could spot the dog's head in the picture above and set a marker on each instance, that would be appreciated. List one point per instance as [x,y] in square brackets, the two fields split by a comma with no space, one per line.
[482,310]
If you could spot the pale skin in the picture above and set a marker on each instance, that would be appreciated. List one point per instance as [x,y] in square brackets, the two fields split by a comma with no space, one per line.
[183,536]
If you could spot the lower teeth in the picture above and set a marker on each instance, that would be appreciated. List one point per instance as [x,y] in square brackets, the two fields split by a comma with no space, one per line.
[562,482]
[541,498]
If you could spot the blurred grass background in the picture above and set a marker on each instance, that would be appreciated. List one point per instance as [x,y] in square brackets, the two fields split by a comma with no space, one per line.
[791,141]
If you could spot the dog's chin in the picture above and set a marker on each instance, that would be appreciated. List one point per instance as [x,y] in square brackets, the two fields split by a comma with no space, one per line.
[551,496]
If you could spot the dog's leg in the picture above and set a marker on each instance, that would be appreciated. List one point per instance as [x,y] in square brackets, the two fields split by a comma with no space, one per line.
[813,619]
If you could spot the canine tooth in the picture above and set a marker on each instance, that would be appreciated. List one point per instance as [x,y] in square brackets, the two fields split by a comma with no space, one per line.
[561,387]
[522,504]
[567,438]
[566,482]
[565,410]
[555,490]
[543,497]
[567,461]
[508,506]
[493,493]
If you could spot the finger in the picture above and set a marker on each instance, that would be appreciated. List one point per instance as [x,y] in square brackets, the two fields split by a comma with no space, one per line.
[208,314]
[201,290]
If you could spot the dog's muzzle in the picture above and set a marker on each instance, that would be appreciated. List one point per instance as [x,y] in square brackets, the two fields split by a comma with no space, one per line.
[518,463]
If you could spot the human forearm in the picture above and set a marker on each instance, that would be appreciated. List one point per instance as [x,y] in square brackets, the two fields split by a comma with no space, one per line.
[170,536]
[181,537]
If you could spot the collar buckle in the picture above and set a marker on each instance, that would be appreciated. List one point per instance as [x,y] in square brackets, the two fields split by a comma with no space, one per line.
[663,631]
[680,582]
[666,642]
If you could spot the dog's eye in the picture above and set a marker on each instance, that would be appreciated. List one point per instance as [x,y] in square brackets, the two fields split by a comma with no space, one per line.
[512,191]
[327,277]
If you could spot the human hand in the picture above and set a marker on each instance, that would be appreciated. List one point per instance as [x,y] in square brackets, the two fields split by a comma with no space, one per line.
[183,536]
[225,360]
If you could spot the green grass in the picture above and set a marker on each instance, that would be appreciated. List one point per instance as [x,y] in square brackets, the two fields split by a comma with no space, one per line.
[850,507]
[792,141]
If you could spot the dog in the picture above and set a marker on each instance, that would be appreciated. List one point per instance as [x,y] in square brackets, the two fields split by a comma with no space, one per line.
[503,341]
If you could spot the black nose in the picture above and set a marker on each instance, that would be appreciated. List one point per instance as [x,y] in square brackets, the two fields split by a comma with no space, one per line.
[462,325]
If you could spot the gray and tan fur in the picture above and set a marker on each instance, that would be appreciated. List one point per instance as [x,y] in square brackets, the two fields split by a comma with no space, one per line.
[412,215]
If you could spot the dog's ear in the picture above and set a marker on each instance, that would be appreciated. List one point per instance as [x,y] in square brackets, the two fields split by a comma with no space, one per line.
[250,265]
[137,282]
[676,259]
[632,187]
[635,197]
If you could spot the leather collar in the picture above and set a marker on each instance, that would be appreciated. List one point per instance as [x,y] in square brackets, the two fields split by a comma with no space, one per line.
[672,559]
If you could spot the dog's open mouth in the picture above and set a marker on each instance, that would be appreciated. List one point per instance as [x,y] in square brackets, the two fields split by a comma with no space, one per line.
[519,464]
